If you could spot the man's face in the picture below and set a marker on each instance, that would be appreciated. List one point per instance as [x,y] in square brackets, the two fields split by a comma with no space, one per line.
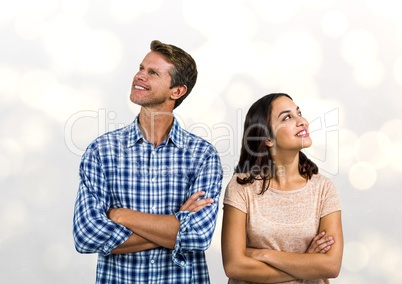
[151,84]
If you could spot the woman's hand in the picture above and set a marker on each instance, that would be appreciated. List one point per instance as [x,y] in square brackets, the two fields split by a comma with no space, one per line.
[320,244]
[257,254]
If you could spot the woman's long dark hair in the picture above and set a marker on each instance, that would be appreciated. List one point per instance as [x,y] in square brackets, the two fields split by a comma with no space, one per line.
[255,159]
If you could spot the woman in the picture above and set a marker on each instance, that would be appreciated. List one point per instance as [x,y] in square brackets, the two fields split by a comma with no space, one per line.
[282,219]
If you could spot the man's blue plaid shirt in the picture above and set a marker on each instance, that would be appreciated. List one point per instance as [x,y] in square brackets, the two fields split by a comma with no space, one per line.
[122,169]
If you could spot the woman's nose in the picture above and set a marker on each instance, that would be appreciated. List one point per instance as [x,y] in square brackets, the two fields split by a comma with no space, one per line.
[302,122]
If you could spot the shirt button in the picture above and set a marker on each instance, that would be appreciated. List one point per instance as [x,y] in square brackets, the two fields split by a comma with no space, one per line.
[182,263]
[152,261]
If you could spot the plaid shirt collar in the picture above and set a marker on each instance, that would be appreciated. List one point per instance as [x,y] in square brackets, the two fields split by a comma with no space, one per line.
[176,135]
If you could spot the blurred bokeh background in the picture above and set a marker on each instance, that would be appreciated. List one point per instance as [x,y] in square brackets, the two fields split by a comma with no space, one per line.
[65,75]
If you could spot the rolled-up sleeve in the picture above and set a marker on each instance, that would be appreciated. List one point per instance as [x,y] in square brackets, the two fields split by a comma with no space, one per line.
[197,228]
[93,232]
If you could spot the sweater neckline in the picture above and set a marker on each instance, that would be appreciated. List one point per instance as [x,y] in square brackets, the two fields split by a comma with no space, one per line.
[289,191]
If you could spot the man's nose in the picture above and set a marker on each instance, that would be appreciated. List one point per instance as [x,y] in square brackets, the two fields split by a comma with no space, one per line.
[140,76]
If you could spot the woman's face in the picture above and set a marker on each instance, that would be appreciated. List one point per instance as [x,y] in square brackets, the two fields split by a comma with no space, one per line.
[289,127]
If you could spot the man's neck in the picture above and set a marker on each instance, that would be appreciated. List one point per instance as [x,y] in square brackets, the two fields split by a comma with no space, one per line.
[155,126]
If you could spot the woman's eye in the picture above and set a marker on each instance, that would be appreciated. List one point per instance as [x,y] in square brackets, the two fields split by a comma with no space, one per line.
[287,117]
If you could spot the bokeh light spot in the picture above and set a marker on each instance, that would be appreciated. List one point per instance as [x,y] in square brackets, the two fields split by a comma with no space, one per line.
[76,8]
[375,148]
[393,130]
[347,138]
[29,26]
[369,74]
[389,9]
[8,84]
[196,12]
[359,46]
[36,88]
[74,47]
[12,156]
[298,52]
[35,133]
[127,11]
[356,256]
[276,11]
[397,70]
[239,95]
[362,175]
[334,23]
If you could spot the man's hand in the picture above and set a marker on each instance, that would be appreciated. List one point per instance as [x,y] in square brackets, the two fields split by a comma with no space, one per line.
[153,230]
[194,204]
[117,214]
[320,244]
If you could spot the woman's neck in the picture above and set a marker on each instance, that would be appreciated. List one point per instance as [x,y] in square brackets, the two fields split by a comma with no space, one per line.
[286,174]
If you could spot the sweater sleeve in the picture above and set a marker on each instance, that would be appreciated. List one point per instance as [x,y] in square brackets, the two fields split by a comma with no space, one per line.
[331,201]
[235,195]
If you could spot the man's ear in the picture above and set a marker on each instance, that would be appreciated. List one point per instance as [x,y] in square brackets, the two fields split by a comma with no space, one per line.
[178,92]
[269,142]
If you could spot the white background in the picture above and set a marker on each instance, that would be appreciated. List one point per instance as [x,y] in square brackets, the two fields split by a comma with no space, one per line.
[65,75]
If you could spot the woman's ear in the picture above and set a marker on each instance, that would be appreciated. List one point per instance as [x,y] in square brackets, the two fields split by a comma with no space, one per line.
[178,92]
[269,142]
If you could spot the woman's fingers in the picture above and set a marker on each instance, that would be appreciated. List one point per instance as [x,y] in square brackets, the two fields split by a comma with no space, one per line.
[320,244]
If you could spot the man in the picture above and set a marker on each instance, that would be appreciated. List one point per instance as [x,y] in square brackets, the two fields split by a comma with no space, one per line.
[148,196]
